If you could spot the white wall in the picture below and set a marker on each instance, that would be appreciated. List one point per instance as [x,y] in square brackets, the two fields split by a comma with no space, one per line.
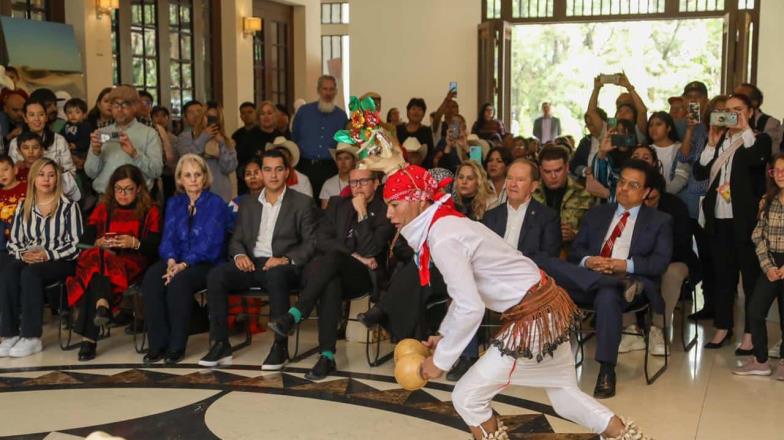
[770,69]
[406,48]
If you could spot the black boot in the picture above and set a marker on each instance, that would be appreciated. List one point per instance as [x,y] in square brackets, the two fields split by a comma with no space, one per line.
[460,368]
[218,356]
[278,356]
[323,367]
[373,317]
[605,383]
[87,351]
[283,326]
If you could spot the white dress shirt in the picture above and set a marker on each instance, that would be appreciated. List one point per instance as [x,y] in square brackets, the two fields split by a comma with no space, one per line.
[480,271]
[623,244]
[547,129]
[269,216]
[514,222]
[723,208]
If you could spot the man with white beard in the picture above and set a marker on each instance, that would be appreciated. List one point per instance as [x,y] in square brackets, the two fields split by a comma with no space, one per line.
[314,128]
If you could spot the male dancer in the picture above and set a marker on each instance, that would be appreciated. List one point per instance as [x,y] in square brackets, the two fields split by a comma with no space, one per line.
[482,271]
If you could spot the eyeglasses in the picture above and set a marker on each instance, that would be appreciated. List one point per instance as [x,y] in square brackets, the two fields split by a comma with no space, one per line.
[123,105]
[775,173]
[128,190]
[633,185]
[360,182]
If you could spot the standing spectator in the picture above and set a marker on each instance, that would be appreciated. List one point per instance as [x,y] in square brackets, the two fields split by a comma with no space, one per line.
[768,238]
[547,127]
[207,138]
[487,126]
[49,100]
[596,124]
[629,105]
[125,229]
[733,161]
[283,120]
[41,250]
[443,118]
[346,158]
[144,111]
[296,180]
[677,107]
[193,236]
[760,121]
[664,139]
[124,141]
[314,128]
[393,117]
[160,116]
[415,112]
[415,153]
[497,164]
[12,116]
[101,114]
[252,140]
[454,147]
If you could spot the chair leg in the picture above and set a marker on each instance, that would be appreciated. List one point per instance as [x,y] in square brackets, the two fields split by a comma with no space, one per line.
[377,358]
[647,331]
[685,342]
[139,337]
[65,321]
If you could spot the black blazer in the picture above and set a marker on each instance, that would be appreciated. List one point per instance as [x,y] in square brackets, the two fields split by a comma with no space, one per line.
[682,231]
[651,246]
[294,233]
[747,185]
[372,235]
[540,237]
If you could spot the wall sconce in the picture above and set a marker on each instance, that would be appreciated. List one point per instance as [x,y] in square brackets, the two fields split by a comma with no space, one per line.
[105,7]
[251,25]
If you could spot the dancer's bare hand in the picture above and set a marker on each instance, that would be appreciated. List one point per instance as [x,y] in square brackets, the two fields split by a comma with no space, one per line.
[429,369]
[432,342]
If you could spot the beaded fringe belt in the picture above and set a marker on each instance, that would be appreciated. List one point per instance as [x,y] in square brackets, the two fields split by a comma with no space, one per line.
[541,322]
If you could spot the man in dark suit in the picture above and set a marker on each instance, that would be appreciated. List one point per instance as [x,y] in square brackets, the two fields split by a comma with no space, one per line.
[524,223]
[621,250]
[546,127]
[352,240]
[274,237]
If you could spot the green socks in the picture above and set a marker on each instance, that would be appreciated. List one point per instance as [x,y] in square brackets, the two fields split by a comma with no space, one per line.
[296,314]
[329,355]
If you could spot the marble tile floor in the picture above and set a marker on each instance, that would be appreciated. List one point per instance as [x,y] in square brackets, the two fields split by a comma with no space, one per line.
[53,396]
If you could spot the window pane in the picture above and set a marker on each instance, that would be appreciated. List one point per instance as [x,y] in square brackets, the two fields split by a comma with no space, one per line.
[149,14]
[344,12]
[186,47]
[138,71]
[336,12]
[176,103]
[152,73]
[174,46]
[149,42]
[137,43]
[174,72]
[326,13]
[136,14]
[187,76]
[174,18]
[185,16]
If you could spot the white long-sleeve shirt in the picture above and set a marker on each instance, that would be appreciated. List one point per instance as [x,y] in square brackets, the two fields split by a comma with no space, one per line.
[723,208]
[480,271]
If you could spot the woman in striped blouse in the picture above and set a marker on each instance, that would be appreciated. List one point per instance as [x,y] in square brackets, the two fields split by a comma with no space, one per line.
[41,250]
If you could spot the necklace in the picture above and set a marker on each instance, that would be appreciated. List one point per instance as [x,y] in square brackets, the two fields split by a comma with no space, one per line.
[40,203]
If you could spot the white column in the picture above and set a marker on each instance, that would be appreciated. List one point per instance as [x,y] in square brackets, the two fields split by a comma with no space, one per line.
[94,38]
[237,65]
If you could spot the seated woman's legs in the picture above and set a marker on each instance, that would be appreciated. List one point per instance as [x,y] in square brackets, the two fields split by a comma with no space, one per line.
[179,303]
[10,306]
[155,313]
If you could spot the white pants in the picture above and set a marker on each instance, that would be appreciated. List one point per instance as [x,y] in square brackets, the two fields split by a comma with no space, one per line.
[473,393]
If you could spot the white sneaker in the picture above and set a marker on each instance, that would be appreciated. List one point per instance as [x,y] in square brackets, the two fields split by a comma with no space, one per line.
[26,347]
[656,341]
[631,342]
[7,344]
[775,351]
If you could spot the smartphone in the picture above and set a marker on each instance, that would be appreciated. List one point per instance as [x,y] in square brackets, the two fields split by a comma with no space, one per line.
[212,120]
[454,129]
[724,119]
[453,87]
[612,122]
[623,140]
[475,153]
[615,78]
[694,111]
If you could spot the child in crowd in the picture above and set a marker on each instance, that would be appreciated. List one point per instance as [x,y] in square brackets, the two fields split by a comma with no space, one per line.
[77,130]
[11,192]
[31,150]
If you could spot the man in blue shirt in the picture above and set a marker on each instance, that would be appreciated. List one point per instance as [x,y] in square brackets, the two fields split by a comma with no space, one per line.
[315,125]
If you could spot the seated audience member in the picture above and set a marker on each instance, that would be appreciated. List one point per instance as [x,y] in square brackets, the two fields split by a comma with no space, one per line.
[100,115]
[161,117]
[415,151]
[41,249]
[621,250]
[473,193]
[12,191]
[123,142]
[498,161]
[273,239]
[683,264]
[54,145]
[208,139]
[768,238]
[760,121]
[194,232]
[254,181]
[296,180]
[49,100]
[255,135]
[664,139]
[487,126]
[454,147]
[345,156]
[30,148]
[734,162]
[525,224]
[519,150]
[596,124]
[415,112]
[125,228]
[77,130]
[393,117]
[283,120]
[12,115]
[352,240]
[560,192]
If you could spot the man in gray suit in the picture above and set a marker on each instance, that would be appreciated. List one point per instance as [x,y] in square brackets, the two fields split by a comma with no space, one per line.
[274,237]
[546,127]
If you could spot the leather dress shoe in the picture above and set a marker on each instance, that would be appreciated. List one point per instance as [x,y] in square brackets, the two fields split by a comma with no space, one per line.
[716,345]
[87,351]
[153,356]
[173,356]
[372,317]
[605,385]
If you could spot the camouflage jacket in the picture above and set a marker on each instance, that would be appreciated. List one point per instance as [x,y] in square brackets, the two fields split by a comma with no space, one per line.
[576,202]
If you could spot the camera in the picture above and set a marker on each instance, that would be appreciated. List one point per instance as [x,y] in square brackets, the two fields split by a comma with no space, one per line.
[454,130]
[694,111]
[724,119]
[212,120]
[106,137]
[623,140]
[610,79]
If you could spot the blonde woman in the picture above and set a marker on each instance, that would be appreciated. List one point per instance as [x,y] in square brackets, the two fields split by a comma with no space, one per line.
[41,250]
[208,140]
[196,224]
[473,193]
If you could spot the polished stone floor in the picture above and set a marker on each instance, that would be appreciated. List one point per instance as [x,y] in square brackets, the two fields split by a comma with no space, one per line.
[51,395]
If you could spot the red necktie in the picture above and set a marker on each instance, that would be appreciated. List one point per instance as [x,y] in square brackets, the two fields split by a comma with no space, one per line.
[608,245]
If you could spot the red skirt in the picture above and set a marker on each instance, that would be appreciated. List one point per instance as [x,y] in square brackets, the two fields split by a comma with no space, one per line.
[121,270]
